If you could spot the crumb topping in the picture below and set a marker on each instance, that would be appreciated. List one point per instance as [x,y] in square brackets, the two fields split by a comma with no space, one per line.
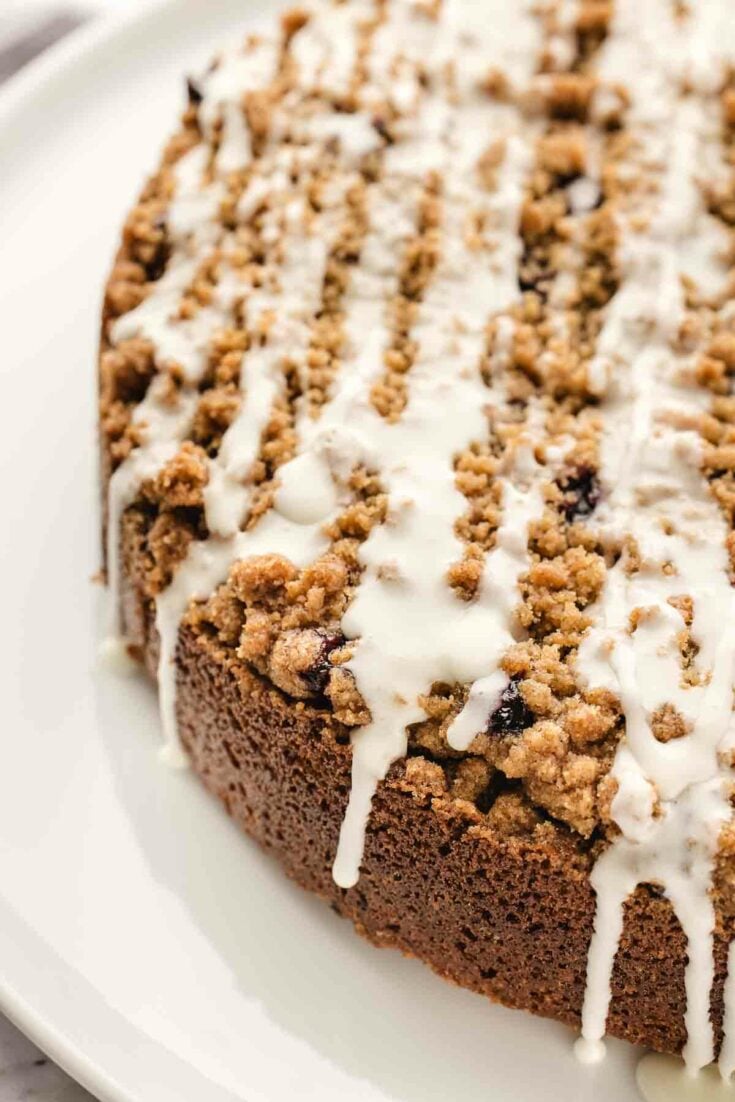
[535,361]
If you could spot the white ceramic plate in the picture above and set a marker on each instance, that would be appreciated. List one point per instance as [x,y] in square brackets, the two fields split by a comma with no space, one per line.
[144,943]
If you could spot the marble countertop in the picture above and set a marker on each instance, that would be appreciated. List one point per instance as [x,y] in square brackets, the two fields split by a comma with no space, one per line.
[26,1075]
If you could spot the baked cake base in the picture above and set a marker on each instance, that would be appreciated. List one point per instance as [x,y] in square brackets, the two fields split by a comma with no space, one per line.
[501,915]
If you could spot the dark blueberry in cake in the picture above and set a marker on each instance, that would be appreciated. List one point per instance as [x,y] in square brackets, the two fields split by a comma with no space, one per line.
[317,676]
[512,714]
[194,92]
[581,491]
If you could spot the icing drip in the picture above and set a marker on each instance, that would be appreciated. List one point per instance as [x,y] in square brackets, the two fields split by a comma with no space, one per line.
[163,420]
[671,799]
[165,429]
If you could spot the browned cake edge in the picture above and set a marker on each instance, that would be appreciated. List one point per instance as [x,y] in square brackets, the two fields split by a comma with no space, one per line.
[504,916]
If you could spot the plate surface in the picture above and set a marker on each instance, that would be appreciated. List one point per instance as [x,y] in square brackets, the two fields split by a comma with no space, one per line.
[144,943]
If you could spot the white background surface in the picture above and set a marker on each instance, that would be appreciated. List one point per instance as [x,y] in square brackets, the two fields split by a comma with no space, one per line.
[145,943]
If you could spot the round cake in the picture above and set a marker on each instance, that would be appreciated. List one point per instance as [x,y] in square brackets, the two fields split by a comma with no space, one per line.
[417,413]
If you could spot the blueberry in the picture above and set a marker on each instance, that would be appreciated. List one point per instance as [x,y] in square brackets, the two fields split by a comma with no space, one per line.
[512,713]
[317,676]
[581,492]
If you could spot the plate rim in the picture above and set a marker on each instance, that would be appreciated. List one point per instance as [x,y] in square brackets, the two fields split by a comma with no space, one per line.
[16,97]
[166,1070]
[52,62]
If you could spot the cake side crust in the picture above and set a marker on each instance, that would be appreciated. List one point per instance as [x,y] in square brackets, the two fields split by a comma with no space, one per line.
[503,916]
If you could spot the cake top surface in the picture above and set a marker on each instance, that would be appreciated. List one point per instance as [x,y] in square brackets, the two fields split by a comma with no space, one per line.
[420,352]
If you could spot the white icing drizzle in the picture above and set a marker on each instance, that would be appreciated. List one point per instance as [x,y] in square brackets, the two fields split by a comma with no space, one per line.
[238,72]
[165,421]
[292,303]
[165,429]
[410,628]
[325,451]
[504,566]
[404,586]
[671,800]
[115,657]
[498,595]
